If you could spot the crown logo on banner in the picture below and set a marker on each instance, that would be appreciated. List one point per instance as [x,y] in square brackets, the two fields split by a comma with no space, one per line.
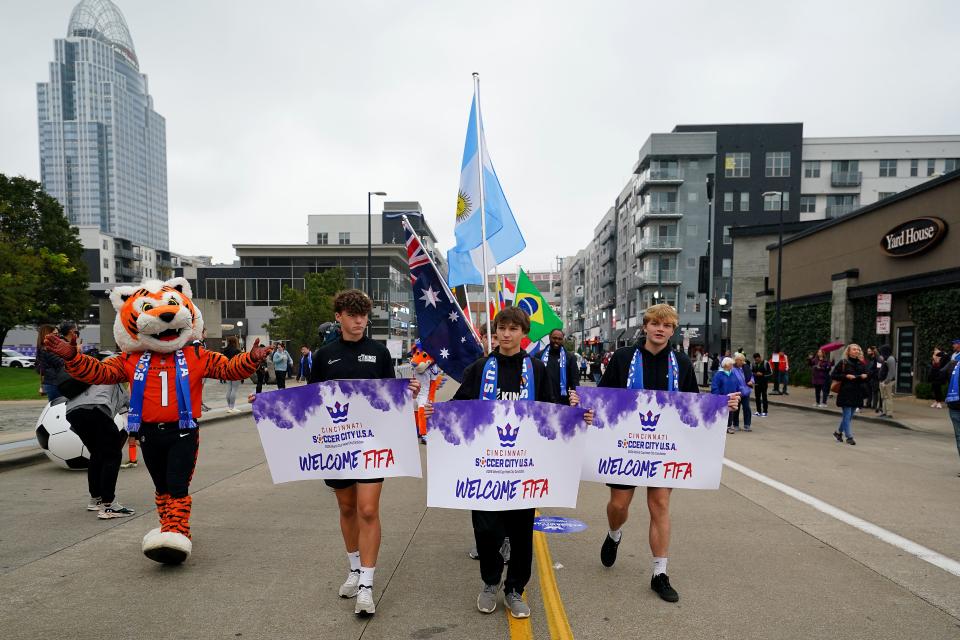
[338,414]
[648,421]
[508,438]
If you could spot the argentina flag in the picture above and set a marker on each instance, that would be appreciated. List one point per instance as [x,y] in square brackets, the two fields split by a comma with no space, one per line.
[504,240]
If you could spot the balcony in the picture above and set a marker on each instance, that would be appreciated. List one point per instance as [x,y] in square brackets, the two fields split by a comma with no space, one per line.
[165,264]
[846,178]
[660,176]
[666,276]
[658,211]
[837,210]
[127,273]
[659,243]
[120,252]
[605,234]
[605,255]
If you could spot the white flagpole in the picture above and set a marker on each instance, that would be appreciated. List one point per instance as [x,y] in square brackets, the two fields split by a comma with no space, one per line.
[483,213]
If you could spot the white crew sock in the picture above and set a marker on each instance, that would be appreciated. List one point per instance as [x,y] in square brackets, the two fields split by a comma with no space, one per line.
[366,576]
[615,535]
[659,566]
[354,559]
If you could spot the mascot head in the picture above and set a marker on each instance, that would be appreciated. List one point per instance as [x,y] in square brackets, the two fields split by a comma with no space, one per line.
[419,358]
[156,316]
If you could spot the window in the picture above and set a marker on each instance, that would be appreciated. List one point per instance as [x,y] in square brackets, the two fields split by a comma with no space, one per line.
[322,238]
[811,169]
[725,267]
[888,168]
[736,165]
[914,168]
[808,204]
[777,164]
[885,194]
[744,201]
[726,235]
[771,201]
[728,201]
[344,237]
[106,279]
[951,164]
[105,246]
[931,167]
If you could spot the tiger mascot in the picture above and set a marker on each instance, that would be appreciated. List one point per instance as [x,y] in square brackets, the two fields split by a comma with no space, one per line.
[158,328]
[428,374]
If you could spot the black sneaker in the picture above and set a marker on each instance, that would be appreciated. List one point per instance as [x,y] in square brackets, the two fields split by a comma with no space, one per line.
[608,552]
[851,441]
[661,584]
[838,436]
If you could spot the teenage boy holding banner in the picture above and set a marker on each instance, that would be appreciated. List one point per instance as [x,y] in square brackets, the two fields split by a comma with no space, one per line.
[355,356]
[650,365]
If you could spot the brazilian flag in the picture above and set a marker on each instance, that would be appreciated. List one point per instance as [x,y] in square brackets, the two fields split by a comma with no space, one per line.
[543,320]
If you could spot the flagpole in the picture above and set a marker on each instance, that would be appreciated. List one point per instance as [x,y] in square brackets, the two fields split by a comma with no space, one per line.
[483,213]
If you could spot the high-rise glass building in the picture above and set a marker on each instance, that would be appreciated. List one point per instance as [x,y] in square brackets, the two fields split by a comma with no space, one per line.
[102,146]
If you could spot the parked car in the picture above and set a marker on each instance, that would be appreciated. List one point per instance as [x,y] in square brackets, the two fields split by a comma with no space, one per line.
[16,360]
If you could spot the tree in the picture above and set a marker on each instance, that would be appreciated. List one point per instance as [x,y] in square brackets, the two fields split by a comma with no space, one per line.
[42,274]
[300,313]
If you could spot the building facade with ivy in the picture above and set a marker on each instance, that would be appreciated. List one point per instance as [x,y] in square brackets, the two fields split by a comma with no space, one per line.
[888,273]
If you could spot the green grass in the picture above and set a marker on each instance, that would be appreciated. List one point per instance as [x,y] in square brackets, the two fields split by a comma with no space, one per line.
[19,384]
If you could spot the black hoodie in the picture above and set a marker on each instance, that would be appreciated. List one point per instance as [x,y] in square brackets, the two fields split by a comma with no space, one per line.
[508,379]
[655,368]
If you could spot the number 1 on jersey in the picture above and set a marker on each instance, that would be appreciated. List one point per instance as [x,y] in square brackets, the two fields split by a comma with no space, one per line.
[163,388]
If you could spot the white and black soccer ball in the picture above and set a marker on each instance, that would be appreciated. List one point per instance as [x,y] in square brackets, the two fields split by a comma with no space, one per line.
[61,445]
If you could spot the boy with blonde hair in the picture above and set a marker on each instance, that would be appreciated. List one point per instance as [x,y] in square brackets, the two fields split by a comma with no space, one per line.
[650,364]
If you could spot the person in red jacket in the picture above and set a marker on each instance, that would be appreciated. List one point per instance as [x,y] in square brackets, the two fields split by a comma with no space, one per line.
[159,328]
[781,372]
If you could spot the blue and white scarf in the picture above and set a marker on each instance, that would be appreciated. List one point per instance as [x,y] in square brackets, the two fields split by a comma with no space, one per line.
[491,379]
[953,389]
[563,368]
[635,374]
[182,382]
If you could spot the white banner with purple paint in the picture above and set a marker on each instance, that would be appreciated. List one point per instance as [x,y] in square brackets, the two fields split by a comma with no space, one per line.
[654,438]
[496,455]
[339,429]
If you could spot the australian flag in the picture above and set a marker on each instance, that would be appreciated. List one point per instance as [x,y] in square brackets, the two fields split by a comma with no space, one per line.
[444,332]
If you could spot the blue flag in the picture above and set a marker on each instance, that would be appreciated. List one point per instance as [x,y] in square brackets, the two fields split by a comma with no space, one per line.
[444,332]
[504,240]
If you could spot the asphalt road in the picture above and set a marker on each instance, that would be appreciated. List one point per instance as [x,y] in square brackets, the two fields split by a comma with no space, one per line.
[748,560]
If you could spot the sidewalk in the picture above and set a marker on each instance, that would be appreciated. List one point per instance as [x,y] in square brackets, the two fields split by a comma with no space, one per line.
[909,412]
[18,444]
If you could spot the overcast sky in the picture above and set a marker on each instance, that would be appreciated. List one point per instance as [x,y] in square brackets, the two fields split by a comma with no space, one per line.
[276,110]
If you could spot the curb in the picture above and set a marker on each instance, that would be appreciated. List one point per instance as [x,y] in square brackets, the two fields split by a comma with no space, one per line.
[829,412]
[33,455]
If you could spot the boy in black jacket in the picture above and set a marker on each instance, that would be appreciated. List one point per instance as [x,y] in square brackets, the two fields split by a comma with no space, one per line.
[659,323]
[490,527]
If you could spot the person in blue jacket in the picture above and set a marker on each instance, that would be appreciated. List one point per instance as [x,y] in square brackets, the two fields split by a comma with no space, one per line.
[724,383]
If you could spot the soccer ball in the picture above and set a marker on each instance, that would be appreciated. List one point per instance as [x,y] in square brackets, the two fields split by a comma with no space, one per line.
[61,445]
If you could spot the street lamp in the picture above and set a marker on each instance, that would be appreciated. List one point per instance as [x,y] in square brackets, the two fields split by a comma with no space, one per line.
[243,343]
[370,241]
[706,336]
[722,301]
[779,266]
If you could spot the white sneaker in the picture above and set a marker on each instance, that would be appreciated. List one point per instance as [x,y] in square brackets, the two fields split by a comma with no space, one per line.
[349,588]
[94,504]
[365,606]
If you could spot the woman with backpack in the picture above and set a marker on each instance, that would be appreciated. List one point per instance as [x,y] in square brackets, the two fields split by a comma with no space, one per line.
[848,378]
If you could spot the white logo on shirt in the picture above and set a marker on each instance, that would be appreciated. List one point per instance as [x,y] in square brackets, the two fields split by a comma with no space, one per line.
[332,361]
[365,358]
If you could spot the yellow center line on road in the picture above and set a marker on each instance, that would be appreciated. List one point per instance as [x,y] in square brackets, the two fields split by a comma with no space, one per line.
[557,621]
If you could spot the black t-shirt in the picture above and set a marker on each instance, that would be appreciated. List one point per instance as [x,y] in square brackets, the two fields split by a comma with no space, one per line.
[655,370]
[553,370]
[508,379]
[365,359]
